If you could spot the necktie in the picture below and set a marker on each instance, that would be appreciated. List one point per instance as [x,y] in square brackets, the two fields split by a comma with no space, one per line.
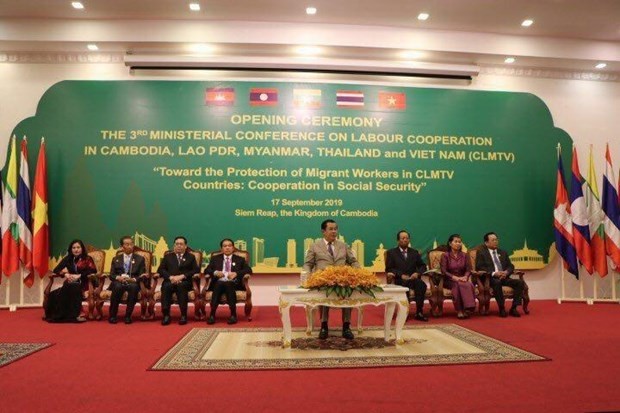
[179,258]
[330,248]
[227,265]
[404,254]
[496,261]
[127,266]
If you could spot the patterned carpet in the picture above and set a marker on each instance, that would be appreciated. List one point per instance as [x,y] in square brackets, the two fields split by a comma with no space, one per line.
[257,349]
[10,352]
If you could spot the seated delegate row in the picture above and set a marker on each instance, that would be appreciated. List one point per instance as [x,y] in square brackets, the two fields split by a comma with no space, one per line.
[228,274]
[227,280]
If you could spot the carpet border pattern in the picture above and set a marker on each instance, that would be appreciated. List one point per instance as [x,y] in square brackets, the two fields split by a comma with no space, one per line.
[187,353]
[10,352]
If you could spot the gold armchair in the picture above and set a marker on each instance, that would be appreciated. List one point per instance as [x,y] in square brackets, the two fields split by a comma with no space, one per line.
[439,292]
[484,284]
[102,294]
[154,293]
[243,296]
[88,296]
[390,279]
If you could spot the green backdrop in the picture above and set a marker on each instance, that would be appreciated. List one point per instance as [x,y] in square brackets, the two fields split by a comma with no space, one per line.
[166,158]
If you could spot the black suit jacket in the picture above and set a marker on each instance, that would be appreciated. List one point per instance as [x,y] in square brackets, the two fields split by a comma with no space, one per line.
[171,266]
[136,269]
[238,265]
[397,265]
[484,262]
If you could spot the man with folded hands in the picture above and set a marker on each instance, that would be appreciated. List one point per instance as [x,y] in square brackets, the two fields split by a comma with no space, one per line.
[330,251]
[407,266]
[125,274]
[226,271]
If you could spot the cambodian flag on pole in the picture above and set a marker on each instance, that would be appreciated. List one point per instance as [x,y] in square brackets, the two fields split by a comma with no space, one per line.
[564,242]
[579,213]
[612,212]
[24,214]
[596,216]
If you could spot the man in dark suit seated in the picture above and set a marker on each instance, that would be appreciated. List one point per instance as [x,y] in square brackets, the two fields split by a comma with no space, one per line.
[125,273]
[407,266]
[496,263]
[227,271]
[330,251]
[177,270]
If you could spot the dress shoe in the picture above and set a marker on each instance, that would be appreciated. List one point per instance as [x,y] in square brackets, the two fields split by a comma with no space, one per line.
[347,333]
[502,313]
[514,312]
[166,320]
[127,320]
[420,317]
[211,320]
[232,320]
[112,320]
[183,320]
[324,333]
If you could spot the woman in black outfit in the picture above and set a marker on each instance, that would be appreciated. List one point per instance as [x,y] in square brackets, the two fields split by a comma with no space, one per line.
[65,304]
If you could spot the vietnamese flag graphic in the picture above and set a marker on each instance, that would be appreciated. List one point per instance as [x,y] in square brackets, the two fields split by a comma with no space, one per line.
[391,100]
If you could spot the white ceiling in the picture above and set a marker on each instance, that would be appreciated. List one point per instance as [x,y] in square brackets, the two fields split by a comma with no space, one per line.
[566,34]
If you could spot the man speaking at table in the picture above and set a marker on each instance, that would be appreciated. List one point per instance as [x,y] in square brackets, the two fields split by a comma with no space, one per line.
[330,251]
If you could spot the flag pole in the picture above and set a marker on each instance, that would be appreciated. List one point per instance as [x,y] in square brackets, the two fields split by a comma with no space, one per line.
[21,285]
[595,288]
[562,285]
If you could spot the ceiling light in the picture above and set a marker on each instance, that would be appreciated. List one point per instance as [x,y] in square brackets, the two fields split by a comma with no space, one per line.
[411,54]
[423,16]
[308,50]
[509,60]
[92,47]
[194,7]
[527,22]
[201,48]
[601,65]
[77,5]
[311,10]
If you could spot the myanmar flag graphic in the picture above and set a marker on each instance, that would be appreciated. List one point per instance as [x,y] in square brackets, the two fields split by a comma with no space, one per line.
[307,98]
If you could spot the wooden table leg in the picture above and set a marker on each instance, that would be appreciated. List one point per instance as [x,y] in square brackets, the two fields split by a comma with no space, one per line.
[360,317]
[309,320]
[285,311]
[401,317]
[387,319]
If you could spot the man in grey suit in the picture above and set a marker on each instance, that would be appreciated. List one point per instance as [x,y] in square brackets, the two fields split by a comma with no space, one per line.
[330,251]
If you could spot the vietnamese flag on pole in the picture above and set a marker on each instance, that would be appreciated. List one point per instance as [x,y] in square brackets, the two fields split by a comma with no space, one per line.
[10,230]
[40,228]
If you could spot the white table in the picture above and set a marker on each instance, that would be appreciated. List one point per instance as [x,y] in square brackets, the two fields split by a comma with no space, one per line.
[391,296]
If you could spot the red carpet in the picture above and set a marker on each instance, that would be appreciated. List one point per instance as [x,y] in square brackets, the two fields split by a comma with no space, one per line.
[98,367]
